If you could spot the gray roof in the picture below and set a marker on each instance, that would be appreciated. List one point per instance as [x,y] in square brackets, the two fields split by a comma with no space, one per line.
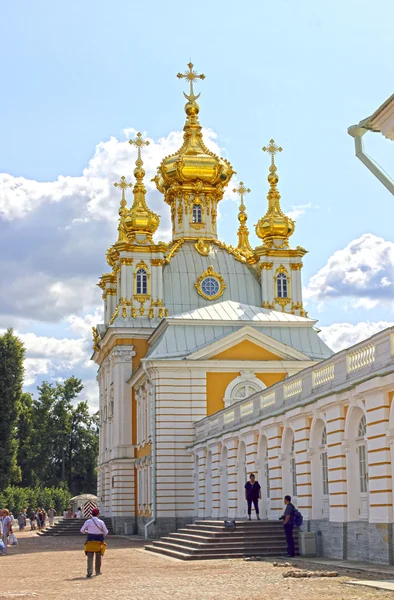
[237,311]
[179,339]
[180,275]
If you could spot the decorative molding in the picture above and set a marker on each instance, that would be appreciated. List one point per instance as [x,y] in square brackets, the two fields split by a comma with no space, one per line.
[202,247]
[126,260]
[122,354]
[210,273]
[296,266]
[157,262]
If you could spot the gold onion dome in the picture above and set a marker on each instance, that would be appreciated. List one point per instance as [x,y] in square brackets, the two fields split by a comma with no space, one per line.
[193,162]
[139,218]
[275,225]
[244,246]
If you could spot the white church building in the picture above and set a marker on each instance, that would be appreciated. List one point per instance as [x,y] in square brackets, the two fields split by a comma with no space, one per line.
[209,368]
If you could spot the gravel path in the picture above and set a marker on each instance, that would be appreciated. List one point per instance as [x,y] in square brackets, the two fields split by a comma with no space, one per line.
[54,568]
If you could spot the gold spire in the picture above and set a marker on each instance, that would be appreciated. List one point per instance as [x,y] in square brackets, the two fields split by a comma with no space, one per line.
[139,219]
[275,226]
[193,170]
[244,246]
[123,185]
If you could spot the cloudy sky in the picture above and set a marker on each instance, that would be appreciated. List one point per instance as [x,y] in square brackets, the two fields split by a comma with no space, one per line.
[80,78]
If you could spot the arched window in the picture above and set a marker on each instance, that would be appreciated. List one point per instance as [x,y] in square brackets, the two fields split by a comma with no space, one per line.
[362,455]
[293,469]
[282,290]
[324,462]
[142,282]
[244,390]
[197,214]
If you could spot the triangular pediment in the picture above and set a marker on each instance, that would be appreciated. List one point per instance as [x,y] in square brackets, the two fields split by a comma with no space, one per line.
[247,343]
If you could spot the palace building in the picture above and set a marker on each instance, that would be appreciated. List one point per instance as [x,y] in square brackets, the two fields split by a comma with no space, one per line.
[210,368]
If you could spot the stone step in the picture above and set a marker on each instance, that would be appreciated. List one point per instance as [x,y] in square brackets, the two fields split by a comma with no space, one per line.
[200,537]
[228,544]
[208,556]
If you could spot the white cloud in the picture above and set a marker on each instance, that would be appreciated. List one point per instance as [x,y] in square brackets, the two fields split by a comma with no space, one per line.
[363,272]
[300,209]
[339,336]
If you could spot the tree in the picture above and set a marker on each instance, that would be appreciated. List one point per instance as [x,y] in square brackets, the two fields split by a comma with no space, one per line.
[12,353]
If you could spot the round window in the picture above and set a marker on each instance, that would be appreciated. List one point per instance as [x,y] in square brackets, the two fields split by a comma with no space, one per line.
[210,286]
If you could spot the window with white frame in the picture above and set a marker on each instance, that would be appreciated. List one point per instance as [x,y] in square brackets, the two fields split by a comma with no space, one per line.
[142,282]
[324,462]
[362,455]
[282,290]
[197,214]
[244,390]
[293,469]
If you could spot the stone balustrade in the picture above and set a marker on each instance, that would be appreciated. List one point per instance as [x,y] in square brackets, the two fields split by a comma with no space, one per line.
[345,368]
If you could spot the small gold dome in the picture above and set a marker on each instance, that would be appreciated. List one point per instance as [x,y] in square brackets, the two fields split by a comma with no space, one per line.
[139,218]
[275,225]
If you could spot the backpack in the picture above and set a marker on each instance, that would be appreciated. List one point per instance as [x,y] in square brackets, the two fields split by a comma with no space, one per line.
[297,518]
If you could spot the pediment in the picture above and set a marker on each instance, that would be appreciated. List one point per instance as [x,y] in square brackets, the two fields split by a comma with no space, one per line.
[247,343]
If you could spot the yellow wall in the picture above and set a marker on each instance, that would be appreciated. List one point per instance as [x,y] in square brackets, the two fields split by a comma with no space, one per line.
[218,382]
[216,386]
[246,350]
[270,378]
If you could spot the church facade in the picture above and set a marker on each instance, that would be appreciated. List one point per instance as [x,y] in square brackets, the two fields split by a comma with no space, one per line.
[203,355]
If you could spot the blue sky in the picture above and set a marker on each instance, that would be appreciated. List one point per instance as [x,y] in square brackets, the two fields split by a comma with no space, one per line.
[76,74]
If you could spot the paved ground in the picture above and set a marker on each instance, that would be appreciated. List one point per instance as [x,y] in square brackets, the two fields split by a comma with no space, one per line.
[49,568]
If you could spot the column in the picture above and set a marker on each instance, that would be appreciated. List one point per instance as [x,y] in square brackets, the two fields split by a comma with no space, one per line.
[274,438]
[215,478]
[202,457]
[379,457]
[232,446]
[303,466]
[336,459]
[121,363]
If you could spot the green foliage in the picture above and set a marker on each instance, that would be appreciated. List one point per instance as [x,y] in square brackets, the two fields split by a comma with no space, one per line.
[11,381]
[58,439]
[16,498]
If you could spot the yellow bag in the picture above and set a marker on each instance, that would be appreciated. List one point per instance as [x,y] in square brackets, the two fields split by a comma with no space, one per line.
[95,546]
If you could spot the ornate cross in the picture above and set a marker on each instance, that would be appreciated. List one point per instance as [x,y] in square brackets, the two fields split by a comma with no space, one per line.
[191,76]
[272,149]
[123,184]
[139,142]
[241,190]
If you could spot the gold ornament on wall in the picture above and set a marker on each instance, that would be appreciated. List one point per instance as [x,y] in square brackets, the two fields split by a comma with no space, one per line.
[210,280]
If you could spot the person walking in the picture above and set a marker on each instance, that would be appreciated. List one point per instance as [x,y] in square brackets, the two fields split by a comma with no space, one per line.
[32,517]
[7,528]
[288,524]
[95,541]
[51,515]
[21,521]
[252,495]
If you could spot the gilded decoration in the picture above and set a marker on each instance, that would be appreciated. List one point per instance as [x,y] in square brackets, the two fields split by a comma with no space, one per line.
[244,246]
[157,262]
[96,340]
[126,260]
[116,312]
[212,281]
[268,305]
[296,266]
[283,302]
[140,296]
[194,171]
[275,227]
[202,247]
[173,249]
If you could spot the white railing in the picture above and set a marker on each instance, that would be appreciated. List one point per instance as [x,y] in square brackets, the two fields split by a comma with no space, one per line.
[360,358]
[246,409]
[342,369]
[293,388]
[229,416]
[267,400]
[323,375]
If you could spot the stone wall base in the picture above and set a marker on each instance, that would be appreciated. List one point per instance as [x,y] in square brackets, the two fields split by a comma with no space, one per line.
[356,540]
[124,525]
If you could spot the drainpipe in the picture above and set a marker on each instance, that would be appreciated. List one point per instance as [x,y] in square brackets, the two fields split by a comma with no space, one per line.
[153,434]
[356,132]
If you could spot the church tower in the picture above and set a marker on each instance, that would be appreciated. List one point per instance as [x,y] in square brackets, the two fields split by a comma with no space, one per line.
[279,266]
[193,179]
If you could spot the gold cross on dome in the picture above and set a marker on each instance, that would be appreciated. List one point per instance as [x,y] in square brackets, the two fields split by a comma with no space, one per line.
[272,149]
[139,142]
[241,190]
[190,76]
[123,184]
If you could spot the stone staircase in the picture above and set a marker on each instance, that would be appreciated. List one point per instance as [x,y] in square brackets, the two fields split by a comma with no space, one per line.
[71,527]
[211,540]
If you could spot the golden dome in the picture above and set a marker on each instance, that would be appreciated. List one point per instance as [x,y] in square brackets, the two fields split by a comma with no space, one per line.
[193,162]
[275,225]
[244,246]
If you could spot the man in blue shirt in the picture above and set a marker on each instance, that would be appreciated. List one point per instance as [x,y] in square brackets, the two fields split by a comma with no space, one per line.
[252,495]
[288,522]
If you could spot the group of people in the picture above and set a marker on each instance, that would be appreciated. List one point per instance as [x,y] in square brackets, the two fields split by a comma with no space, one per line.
[253,495]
